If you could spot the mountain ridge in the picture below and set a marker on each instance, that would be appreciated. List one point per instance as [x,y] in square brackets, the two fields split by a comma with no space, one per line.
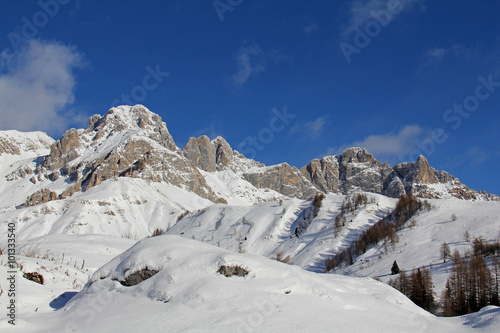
[132,141]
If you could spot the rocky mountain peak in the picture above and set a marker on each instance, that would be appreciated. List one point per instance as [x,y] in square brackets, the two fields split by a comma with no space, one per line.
[107,132]
[136,119]
[356,155]
[201,152]
[284,179]
[215,155]
[324,173]
[357,169]
[129,141]
[224,155]
[417,172]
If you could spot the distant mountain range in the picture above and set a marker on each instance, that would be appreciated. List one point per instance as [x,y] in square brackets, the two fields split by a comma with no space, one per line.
[131,141]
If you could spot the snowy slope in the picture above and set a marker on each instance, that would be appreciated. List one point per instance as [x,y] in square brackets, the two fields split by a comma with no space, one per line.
[66,264]
[187,294]
[236,190]
[24,144]
[269,228]
[18,155]
[420,245]
[127,207]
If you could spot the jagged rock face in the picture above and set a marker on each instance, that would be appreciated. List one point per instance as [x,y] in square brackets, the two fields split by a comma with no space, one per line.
[284,179]
[324,173]
[224,155]
[418,178]
[418,172]
[126,142]
[393,186]
[202,153]
[119,122]
[424,173]
[445,177]
[64,150]
[210,156]
[359,169]
[134,142]
[217,155]
[41,196]
[354,169]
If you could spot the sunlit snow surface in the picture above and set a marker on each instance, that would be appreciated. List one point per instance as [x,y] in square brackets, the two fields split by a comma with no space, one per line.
[73,241]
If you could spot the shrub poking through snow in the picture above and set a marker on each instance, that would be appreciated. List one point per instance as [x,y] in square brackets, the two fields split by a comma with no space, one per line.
[282,258]
[157,232]
[229,271]
[137,277]
[35,277]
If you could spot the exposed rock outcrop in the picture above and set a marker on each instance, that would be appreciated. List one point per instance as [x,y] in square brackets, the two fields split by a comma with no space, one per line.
[324,174]
[126,142]
[217,155]
[354,169]
[224,155]
[284,179]
[358,169]
[41,196]
[202,153]
[131,141]
[210,156]
[63,150]
[393,186]
[417,172]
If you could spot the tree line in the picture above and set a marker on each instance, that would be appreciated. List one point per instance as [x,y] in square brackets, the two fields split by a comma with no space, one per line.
[471,285]
[384,230]
[417,286]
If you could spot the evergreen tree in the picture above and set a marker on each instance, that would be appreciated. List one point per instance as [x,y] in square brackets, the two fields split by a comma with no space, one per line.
[395,268]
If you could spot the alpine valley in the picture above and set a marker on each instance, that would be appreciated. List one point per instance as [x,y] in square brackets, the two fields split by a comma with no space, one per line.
[117,229]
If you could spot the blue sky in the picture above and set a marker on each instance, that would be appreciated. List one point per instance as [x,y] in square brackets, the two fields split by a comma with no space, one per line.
[280,80]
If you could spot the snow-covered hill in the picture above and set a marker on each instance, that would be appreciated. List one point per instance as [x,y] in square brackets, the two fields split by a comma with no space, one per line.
[184,291]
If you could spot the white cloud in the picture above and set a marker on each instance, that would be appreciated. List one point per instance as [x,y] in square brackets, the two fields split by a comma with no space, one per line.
[386,145]
[311,129]
[310,28]
[360,11]
[251,61]
[37,86]
[436,54]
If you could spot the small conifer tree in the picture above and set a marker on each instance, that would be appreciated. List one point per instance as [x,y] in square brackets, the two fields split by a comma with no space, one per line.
[395,268]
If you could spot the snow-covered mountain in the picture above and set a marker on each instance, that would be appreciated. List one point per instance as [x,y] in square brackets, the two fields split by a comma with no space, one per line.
[81,200]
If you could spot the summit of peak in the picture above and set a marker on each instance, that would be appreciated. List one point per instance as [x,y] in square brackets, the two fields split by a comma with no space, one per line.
[129,117]
[218,139]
